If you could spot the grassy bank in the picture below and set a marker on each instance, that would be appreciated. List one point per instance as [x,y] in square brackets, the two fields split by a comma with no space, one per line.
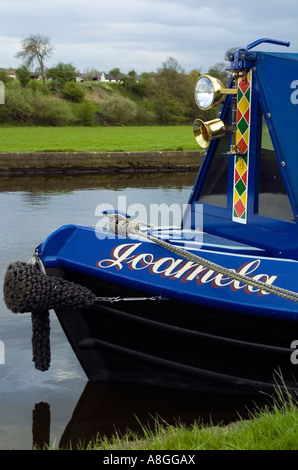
[272,428]
[96,139]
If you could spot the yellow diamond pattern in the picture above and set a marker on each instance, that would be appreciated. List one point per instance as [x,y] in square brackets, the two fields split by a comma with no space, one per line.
[243,105]
[241,166]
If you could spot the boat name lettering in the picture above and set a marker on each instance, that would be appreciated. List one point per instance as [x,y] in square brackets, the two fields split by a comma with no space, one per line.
[182,270]
[294,94]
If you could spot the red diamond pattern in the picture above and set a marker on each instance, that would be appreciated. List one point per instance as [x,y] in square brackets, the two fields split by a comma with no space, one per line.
[239,208]
[244,84]
[242,146]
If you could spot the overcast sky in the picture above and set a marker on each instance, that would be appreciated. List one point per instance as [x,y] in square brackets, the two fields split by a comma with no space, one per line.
[141,34]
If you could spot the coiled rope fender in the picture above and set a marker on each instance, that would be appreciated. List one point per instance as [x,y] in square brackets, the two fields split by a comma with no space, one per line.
[27,289]
[121,225]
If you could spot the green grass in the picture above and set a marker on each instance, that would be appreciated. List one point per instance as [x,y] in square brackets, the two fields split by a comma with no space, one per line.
[274,428]
[96,139]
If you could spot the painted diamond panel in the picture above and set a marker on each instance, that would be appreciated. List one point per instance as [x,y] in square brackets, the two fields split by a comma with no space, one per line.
[241,163]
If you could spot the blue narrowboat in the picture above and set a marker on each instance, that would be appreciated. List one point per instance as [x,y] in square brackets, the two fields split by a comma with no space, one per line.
[211,305]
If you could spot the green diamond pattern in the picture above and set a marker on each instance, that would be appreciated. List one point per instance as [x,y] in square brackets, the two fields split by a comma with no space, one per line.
[240,187]
[242,126]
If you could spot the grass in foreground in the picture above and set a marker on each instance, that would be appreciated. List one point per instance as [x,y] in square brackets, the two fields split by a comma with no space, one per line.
[96,139]
[268,429]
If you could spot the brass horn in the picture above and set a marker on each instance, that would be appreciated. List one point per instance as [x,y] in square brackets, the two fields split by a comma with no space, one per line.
[206,131]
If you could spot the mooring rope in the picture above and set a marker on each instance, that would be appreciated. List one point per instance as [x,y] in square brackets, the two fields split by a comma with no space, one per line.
[121,225]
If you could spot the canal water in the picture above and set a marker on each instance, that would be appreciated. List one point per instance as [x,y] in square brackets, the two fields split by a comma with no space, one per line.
[60,406]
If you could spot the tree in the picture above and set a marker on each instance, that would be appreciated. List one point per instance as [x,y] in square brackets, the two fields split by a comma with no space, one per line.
[172,76]
[171,67]
[36,48]
[132,74]
[23,74]
[115,72]
[62,73]
[168,90]
[219,71]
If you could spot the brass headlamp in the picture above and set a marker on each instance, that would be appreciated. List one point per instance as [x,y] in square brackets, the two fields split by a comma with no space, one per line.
[209,92]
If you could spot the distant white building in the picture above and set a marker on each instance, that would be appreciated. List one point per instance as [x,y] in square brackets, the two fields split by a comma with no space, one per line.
[11,73]
[96,76]
[102,77]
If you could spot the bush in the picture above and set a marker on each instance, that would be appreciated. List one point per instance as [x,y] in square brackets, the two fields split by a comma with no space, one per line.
[38,86]
[168,110]
[51,111]
[29,107]
[117,109]
[73,92]
[87,114]
[17,107]
[145,116]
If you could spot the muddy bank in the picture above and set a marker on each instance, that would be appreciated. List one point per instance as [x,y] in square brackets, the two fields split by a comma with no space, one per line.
[103,162]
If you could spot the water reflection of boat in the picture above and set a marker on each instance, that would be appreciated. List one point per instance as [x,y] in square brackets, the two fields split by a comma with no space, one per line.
[104,410]
[212,305]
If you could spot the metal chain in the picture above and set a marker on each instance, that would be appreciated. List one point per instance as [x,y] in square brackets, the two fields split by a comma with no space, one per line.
[126,299]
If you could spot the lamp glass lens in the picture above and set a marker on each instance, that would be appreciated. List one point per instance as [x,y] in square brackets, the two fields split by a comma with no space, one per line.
[204,92]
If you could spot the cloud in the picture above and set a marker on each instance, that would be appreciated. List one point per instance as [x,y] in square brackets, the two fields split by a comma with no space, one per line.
[141,34]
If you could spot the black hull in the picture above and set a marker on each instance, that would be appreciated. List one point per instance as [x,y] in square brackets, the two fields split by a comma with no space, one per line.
[177,345]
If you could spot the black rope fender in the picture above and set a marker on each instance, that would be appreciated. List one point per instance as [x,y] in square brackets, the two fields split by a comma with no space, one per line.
[27,289]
